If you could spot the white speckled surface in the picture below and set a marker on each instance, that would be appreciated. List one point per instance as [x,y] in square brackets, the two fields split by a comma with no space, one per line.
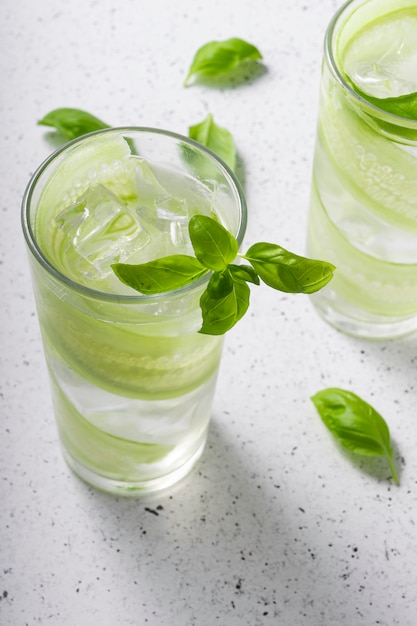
[275,525]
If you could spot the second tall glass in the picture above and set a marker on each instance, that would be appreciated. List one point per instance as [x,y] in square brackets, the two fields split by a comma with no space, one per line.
[363,214]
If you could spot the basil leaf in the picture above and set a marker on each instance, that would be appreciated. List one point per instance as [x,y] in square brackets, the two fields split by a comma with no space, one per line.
[219,57]
[217,139]
[286,271]
[161,275]
[244,272]
[72,122]
[403,106]
[221,312]
[355,424]
[220,284]
[213,245]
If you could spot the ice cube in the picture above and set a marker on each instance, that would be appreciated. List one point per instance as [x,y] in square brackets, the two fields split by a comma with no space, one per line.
[148,187]
[382,59]
[102,230]
[71,219]
[169,229]
[381,81]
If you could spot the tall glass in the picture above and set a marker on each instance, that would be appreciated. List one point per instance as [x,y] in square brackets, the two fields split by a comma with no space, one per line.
[132,379]
[363,212]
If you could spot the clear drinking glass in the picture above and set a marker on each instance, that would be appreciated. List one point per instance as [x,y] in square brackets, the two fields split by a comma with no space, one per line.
[132,379]
[363,212]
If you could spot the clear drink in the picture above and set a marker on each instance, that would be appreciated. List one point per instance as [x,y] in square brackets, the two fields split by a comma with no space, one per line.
[132,379]
[363,212]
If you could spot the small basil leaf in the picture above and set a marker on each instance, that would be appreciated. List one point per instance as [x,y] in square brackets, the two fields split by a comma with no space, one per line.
[219,57]
[213,245]
[286,271]
[217,139]
[244,272]
[220,284]
[161,275]
[355,424]
[72,122]
[403,106]
[221,312]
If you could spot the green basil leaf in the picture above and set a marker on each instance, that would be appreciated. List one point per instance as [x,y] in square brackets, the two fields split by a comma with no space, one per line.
[355,424]
[161,275]
[217,139]
[219,57]
[403,106]
[221,312]
[286,271]
[213,245]
[244,272]
[220,284]
[72,122]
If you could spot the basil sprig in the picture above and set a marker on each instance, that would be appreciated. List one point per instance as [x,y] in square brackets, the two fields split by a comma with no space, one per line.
[355,424]
[226,297]
[72,123]
[217,58]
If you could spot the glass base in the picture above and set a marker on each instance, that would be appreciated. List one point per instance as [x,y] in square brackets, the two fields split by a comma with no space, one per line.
[357,323]
[131,489]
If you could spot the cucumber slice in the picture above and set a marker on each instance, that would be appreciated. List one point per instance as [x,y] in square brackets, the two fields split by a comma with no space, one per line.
[381,173]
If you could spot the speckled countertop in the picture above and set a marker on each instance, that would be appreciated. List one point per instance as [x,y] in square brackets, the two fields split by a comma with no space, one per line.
[275,525]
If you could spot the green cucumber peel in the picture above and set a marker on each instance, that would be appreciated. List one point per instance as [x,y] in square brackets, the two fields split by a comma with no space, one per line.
[227,295]
[355,424]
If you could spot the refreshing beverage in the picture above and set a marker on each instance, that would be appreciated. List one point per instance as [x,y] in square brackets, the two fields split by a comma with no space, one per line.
[132,379]
[363,213]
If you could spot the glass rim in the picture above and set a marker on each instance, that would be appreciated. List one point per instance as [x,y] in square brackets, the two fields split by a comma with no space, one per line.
[330,45]
[97,294]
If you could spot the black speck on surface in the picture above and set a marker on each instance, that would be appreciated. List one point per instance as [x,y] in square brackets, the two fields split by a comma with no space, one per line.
[153,511]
